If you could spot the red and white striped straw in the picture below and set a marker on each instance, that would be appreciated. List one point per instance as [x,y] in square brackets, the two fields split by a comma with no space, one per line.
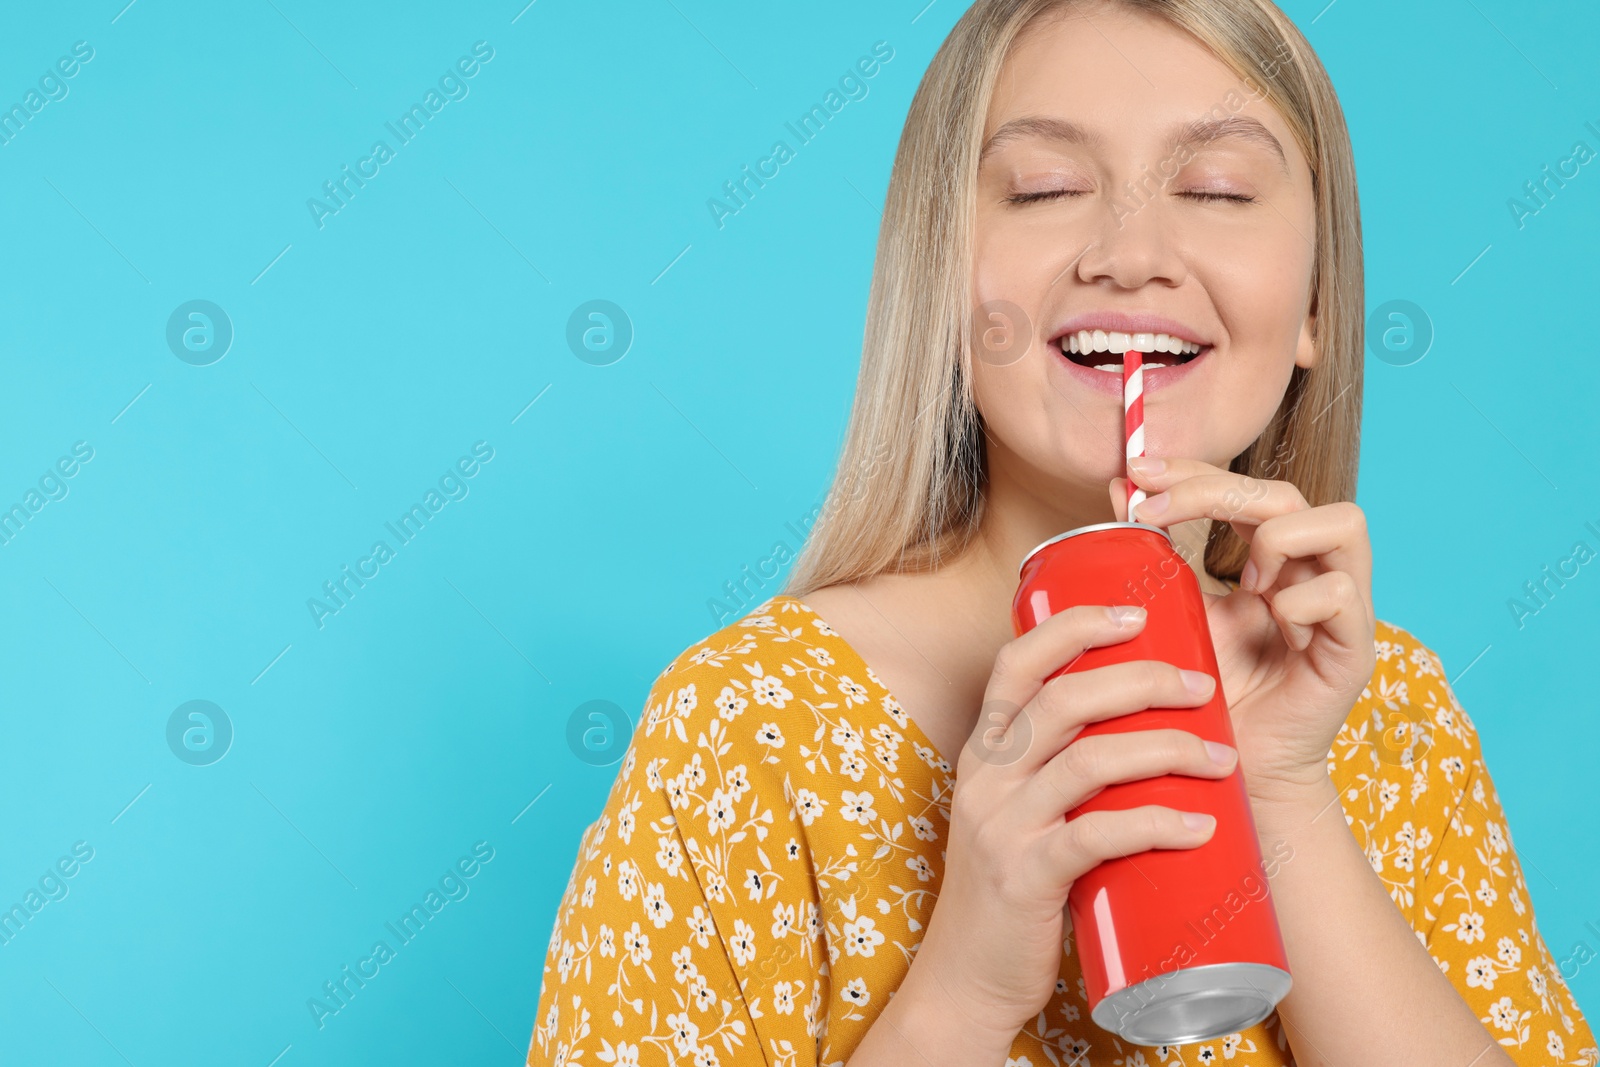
[1133,418]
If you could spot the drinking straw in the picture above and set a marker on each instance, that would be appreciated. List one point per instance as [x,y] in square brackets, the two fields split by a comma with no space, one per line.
[1133,418]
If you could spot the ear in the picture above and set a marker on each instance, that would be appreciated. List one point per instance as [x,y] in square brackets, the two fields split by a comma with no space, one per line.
[1306,350]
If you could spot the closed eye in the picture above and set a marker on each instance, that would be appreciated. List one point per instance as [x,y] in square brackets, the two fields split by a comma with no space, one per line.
[1054,194]
[1047,194]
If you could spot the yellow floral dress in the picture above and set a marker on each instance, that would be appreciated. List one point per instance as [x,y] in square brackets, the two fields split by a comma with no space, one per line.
[773,845]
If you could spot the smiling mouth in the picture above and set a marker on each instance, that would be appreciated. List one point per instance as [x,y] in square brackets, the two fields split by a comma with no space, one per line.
[1103,351]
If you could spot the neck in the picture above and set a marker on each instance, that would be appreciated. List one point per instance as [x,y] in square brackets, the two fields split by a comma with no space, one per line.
[1017,518]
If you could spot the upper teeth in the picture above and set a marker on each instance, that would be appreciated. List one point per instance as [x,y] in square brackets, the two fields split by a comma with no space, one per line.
[1087,341]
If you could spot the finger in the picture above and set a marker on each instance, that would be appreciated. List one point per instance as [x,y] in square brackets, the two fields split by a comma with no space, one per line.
[1155,473]
[1331,600]
[1232,498]
[1066,704]
[1089,764]
[1025,662]
[1334,534]
[1079,845]
[1119,498]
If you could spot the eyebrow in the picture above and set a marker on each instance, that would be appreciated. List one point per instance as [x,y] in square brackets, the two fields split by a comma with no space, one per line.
[1184,134]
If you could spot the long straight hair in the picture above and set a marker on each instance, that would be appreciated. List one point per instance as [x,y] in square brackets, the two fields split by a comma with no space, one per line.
[909,489]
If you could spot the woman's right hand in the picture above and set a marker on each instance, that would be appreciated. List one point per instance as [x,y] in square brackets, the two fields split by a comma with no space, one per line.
[995,939]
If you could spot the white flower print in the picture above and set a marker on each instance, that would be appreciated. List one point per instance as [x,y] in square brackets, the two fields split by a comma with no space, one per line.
[683,967]
[719,810]
[589,885]
[851,691]
[782,920]
[783,998]
[922,828]
[737,782]
[685,1034]
[701,928]
[1504,1014]
[744,942]
[769,734]
[1553,1045]
[919,864]
[1486,892]
[770,692]
[1469,927]
[1509,953]
[861,937]
[637,945]
[852,765]
[1481,971]
[1389,794]
[809,806]
[846,737]
[687,701]
[564,961]
[704,995]
[608,941]
[823,657]
[730,704]
[857,807]
[668,857]
[855,991]
[627,884]
[656,906]
[694,772]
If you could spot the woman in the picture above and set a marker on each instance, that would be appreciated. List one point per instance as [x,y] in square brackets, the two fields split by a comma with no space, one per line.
[787,844]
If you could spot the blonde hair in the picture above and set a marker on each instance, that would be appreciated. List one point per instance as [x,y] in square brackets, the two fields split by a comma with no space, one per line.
[908,492]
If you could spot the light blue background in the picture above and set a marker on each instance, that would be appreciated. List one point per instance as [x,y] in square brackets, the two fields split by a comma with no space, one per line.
[431,311]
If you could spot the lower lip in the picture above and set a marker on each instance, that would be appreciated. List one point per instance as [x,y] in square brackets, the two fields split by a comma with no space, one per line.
[1156,378]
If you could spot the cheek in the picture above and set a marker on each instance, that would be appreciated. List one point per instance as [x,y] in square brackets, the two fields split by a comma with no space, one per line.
[1015,262]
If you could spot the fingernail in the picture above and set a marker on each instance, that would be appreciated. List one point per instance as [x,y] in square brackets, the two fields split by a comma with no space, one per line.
[1248,576]
[1153,505]
[1195,820]
[1125,614]
[1221,754]
[1197,682]
[1147,464]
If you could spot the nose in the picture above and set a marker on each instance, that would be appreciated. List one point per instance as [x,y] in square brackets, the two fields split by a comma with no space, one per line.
[1131,247]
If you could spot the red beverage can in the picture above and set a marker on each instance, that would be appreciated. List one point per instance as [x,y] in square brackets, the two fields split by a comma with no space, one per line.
[1176,945]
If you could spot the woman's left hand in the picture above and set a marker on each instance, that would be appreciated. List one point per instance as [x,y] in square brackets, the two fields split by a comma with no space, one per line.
[1294,642]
